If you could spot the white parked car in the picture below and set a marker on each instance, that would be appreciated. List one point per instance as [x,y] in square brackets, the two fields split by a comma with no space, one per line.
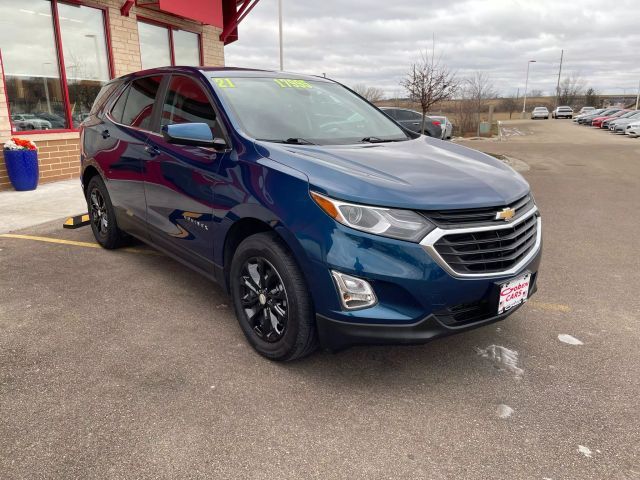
[584,110]
[540,112]
[562,112]
[633,130]
[445,124]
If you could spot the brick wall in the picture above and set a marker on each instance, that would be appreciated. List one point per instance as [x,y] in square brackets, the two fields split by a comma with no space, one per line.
[58,152]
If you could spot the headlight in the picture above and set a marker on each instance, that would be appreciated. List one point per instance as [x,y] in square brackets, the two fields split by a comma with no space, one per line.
[388,222]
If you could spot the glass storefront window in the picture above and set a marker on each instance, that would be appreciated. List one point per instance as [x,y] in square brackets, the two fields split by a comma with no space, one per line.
[30,59]
[155,50]
[186,48]
[85,56]
[156,42]
[32,64]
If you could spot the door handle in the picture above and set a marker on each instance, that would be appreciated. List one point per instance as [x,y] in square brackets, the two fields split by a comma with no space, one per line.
[153,151]
[105,134]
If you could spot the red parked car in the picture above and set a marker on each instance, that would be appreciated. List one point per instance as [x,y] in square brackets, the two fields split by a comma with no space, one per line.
[597,122]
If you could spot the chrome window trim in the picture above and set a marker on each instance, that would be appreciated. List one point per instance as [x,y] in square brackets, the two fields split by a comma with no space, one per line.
[428,243]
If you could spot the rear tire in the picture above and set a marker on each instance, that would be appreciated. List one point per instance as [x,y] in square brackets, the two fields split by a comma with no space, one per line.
[271,299]
[102,215]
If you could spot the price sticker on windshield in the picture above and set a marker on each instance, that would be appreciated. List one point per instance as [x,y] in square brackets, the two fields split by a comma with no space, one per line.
[224,83]
[289,83]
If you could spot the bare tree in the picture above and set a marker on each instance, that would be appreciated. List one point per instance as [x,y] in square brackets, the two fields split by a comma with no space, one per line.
[591,97]
[477,90]
[429,81]
[372,94]
[571,88]
[509,104]
[535,93]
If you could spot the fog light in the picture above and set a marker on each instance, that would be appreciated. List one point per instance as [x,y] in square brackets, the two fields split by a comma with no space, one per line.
[354,292]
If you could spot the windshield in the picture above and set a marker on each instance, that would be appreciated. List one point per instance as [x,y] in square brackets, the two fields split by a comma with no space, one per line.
[290,110]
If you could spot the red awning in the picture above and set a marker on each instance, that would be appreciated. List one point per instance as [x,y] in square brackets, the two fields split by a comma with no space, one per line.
[208,12]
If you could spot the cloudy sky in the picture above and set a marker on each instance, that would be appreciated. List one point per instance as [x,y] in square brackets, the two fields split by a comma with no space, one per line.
[374,41]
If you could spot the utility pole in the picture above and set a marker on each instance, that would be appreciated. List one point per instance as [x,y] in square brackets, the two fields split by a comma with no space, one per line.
[558,84]
[638,96]
[526,85]
[280,33]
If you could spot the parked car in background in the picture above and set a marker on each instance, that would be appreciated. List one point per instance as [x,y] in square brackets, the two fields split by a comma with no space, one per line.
[413,121]
[28,121]
[597,121]
[540,112]
[56,121]
[617,125]
[445,125]
[325,220]
[562,112]
[586,120]
[633,130]
[584,110]
[577,118]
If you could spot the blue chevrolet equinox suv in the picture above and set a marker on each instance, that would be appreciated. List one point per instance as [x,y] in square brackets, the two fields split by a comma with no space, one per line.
[327,222]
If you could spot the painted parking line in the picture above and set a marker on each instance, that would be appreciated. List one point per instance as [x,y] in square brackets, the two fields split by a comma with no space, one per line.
[75,243]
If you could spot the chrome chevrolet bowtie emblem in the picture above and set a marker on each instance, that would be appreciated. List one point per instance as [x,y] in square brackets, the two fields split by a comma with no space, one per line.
[505,214]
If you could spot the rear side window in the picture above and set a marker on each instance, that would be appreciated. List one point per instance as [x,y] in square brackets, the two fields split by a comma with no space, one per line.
[186,102]
[390,113]
[408,115]
[118,108]
[141,96]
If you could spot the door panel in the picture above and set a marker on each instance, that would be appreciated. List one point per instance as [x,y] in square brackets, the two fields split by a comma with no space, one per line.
[125,133]
[180,179]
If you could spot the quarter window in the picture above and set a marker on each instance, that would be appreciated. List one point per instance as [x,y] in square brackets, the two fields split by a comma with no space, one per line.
[139,104]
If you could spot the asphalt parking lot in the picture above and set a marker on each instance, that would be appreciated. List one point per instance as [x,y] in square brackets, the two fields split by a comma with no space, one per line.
[122,364]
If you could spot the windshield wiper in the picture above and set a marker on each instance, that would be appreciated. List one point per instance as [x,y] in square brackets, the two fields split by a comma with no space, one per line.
[291,140]
[376,140]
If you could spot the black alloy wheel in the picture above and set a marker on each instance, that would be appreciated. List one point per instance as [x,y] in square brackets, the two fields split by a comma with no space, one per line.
[264,299]
[271,298]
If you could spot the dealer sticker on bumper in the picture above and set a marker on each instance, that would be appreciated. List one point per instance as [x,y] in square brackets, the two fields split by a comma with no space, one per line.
[513,293]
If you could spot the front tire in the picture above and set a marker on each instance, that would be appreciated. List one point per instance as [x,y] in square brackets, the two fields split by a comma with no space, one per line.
[271,299]
[102,215]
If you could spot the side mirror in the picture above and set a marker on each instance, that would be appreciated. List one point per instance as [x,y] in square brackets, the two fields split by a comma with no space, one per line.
[195,134]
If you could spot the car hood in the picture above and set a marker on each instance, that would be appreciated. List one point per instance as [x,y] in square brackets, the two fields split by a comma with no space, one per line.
[422,173]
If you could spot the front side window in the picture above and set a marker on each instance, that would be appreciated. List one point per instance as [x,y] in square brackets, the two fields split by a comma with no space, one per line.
[186,102]
[85,56]
[321,112]
[30,59]
[139,104]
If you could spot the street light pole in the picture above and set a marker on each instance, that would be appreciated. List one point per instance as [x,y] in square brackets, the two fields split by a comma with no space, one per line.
[526,85]
[280,33]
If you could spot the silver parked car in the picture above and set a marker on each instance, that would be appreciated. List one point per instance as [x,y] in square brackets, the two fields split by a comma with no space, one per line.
[540,112]
[28,121]
[584,110]
[619,125]
[633,130]
[562,112]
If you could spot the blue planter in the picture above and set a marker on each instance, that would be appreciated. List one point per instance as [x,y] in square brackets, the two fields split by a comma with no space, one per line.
[22,167]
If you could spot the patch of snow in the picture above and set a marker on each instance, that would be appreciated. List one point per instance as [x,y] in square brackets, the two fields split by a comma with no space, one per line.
[504,411]
[502,358]
[585,451]
[565,338]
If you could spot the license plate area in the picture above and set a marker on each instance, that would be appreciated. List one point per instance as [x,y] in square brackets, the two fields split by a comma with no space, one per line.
[513,292]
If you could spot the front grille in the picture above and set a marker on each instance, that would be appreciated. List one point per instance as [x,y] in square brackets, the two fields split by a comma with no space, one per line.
[476,216]
[489,251]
